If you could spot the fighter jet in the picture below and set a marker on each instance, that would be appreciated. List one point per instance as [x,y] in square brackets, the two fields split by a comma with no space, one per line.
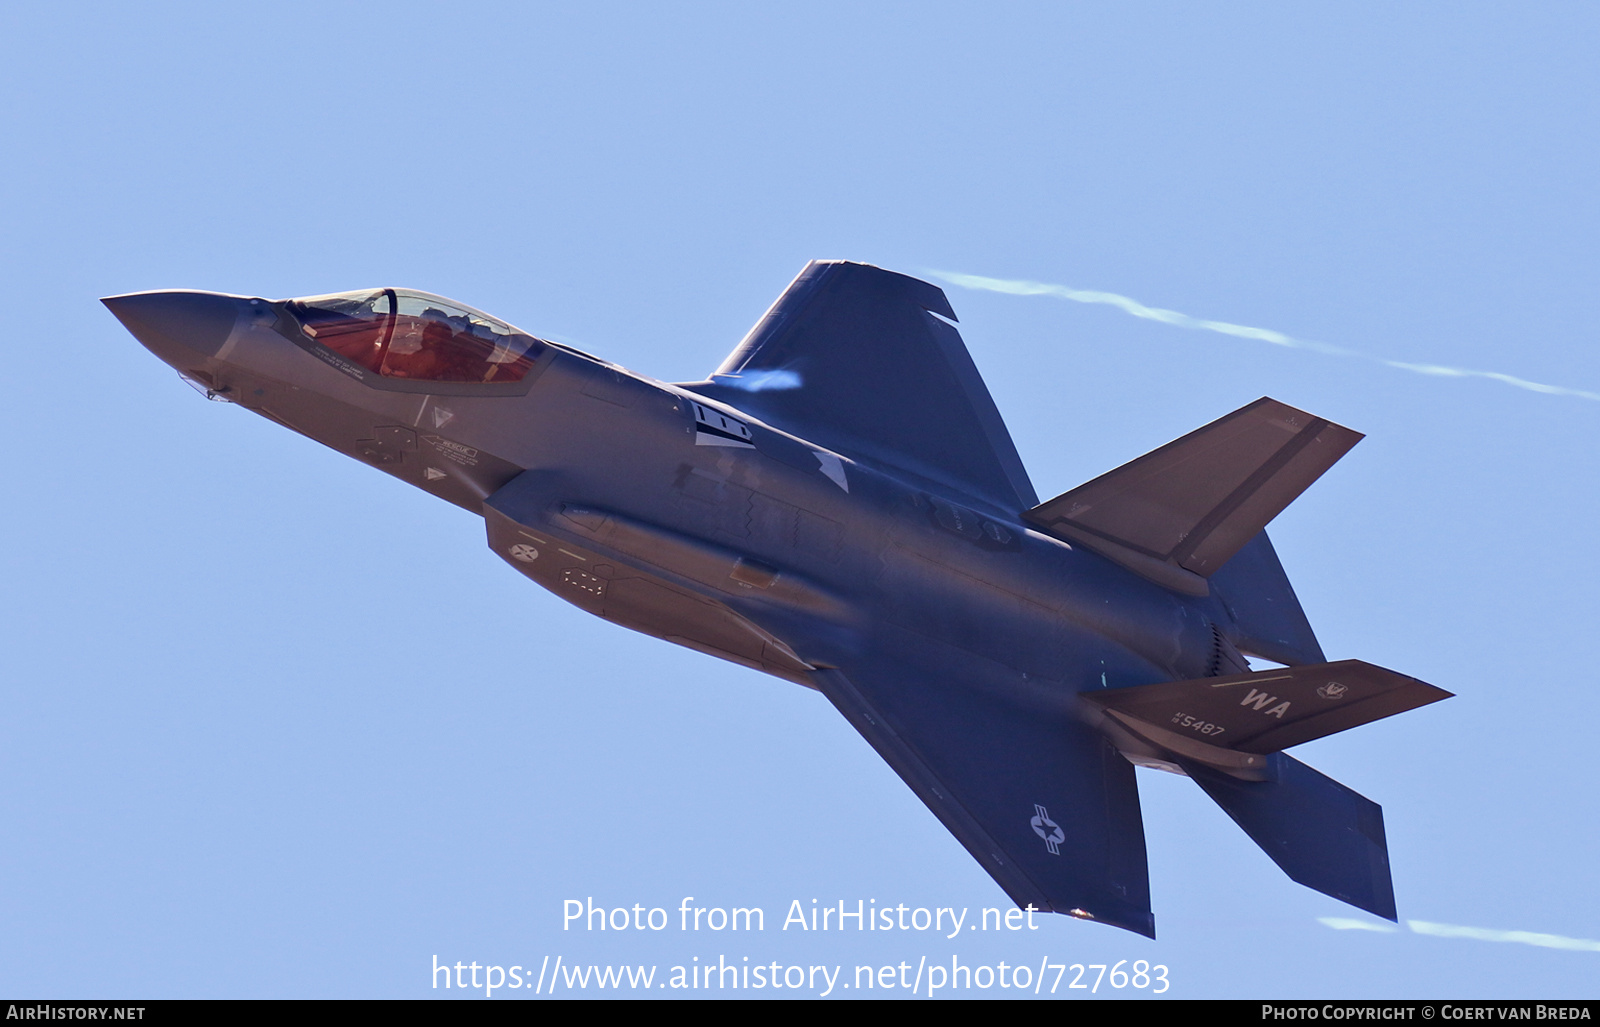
[840,505]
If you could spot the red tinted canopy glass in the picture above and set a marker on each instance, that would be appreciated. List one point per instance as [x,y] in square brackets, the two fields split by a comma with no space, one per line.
[416,336]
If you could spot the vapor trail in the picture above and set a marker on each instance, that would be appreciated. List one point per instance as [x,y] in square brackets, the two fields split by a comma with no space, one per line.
[1545,941]
[1178,319]
[1350,923]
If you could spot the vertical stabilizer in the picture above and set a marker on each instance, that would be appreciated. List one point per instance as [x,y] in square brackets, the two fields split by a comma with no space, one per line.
[1267,616]
[1322,834]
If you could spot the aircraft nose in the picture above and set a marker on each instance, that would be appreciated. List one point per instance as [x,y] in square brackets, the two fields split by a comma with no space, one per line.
[181,325]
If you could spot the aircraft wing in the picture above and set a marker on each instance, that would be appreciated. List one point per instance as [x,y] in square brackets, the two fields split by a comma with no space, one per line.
[862,361]
[1040,799]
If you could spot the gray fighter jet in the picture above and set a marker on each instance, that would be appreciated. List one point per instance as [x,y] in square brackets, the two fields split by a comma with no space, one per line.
[840,505]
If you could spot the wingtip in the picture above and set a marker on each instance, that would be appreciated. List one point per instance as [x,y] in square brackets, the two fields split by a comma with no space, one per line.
[1141,923]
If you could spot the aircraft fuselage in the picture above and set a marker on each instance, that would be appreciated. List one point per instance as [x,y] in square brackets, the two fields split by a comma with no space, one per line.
[840,505]
[844,543]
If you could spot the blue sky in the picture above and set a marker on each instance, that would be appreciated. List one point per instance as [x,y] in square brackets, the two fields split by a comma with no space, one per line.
[277,725]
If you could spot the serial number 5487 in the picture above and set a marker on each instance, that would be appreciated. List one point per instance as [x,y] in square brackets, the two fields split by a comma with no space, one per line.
[1205,727]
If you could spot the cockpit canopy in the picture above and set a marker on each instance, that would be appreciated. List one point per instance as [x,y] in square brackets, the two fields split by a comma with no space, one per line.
[416,336]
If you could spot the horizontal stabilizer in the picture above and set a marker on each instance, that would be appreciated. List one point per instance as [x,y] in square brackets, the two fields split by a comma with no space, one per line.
[1179,513]
[1266,711]
[1320,833]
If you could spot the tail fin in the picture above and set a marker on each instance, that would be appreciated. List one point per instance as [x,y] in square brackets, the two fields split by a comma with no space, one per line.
[1268,620]
[1227,732]
[1320,833]
[1178,514]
